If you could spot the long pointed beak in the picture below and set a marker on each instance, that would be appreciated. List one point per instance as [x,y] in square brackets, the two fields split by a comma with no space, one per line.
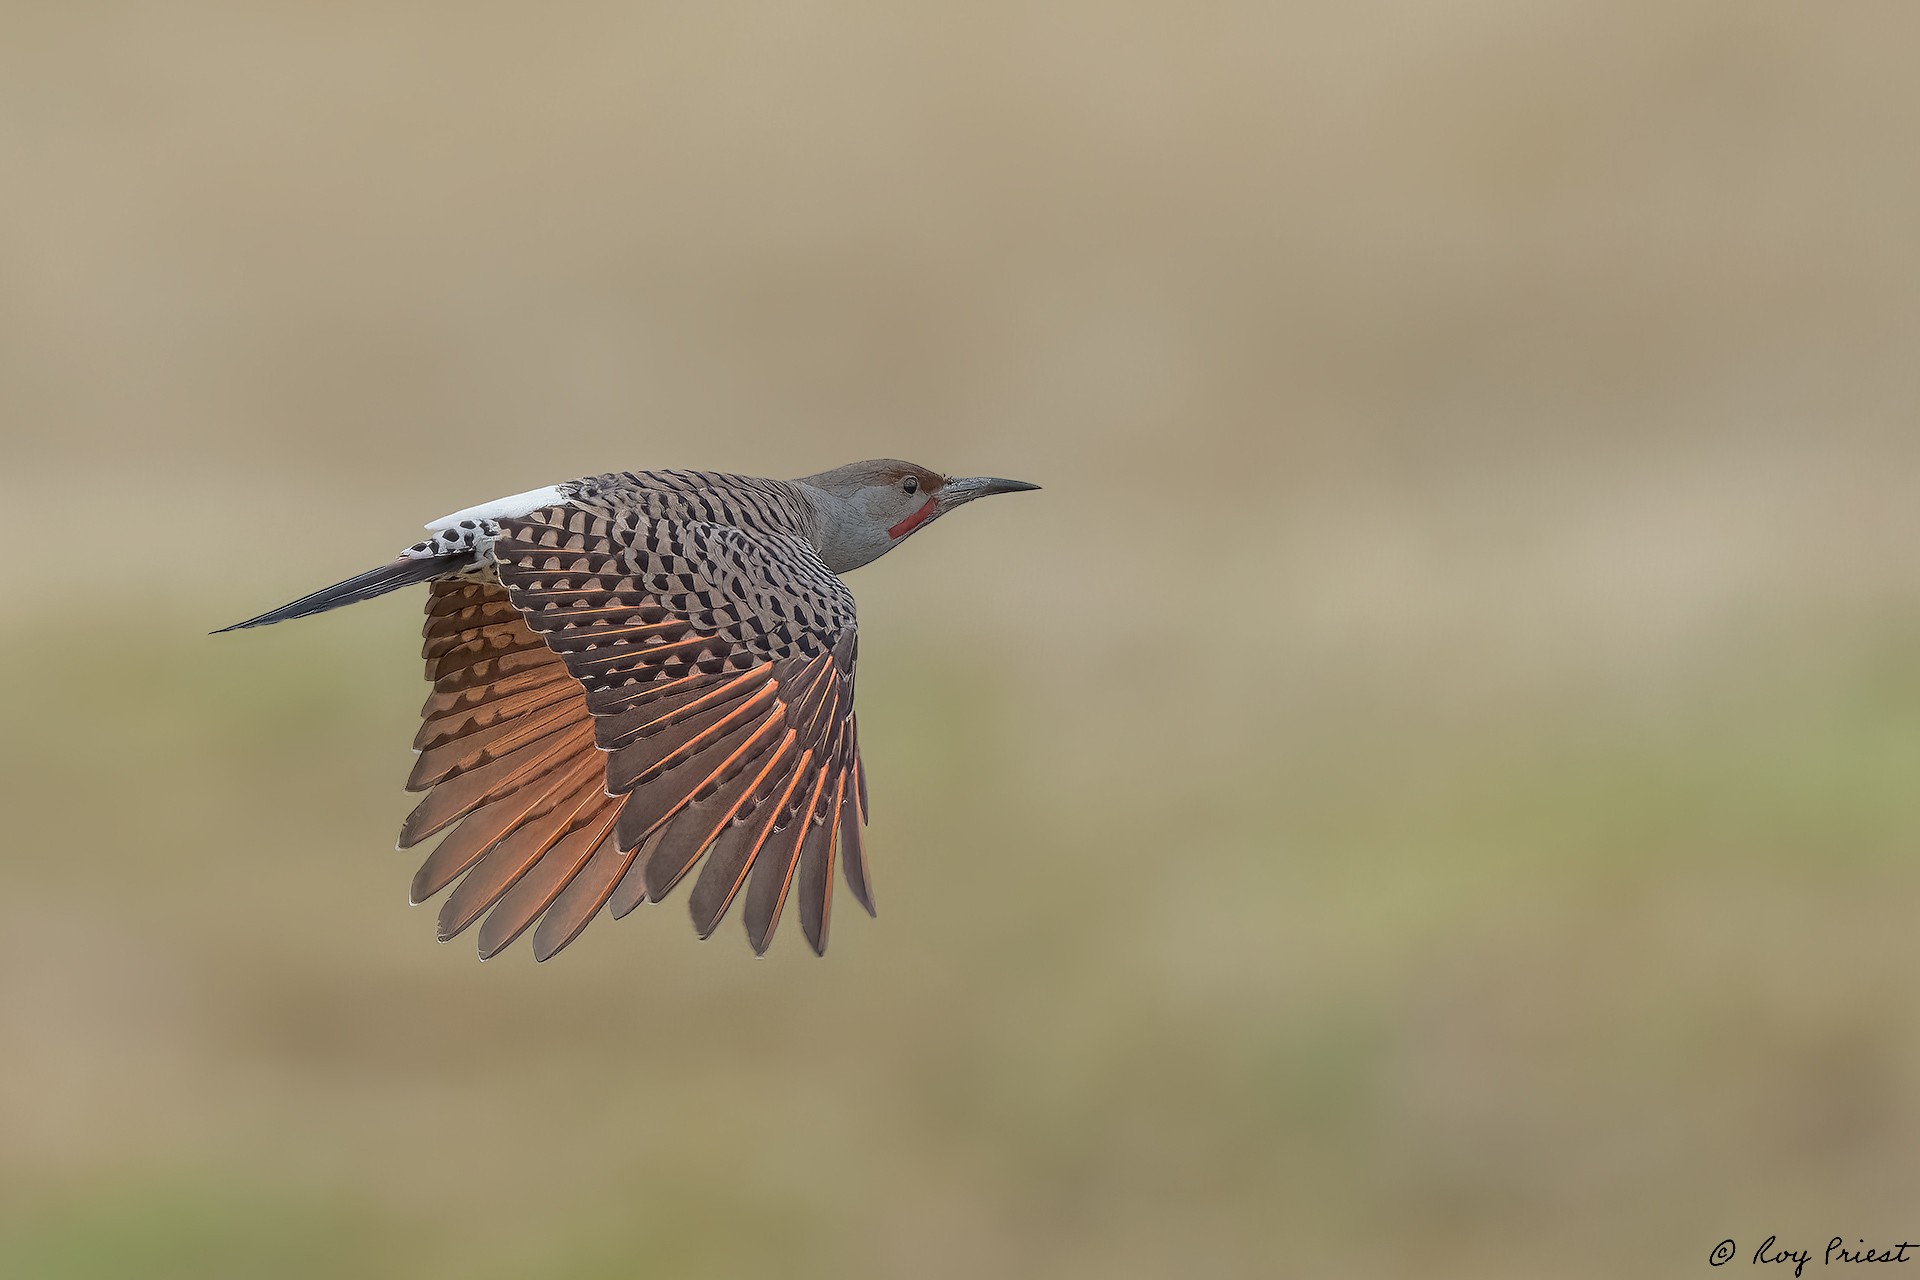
[955,492]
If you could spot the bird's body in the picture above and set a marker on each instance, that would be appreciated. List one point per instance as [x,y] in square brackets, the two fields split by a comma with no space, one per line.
[637,670]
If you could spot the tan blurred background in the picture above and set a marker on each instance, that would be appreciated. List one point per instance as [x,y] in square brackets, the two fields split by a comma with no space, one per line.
[1429,789]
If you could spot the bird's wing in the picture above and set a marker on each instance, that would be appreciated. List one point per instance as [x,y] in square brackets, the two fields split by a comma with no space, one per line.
[635,694]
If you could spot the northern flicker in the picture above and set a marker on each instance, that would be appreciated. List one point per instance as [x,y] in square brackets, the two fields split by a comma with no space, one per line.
[634,670]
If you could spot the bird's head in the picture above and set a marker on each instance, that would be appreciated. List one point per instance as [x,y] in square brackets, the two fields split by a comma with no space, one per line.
[865,509]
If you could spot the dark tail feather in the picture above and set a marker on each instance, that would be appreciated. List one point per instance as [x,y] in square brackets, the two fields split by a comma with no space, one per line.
[403,572]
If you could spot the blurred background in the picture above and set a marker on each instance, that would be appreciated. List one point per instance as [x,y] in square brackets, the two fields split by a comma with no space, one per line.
[1429,788]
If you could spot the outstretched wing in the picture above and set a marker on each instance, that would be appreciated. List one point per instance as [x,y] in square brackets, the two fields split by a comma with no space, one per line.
[634,695]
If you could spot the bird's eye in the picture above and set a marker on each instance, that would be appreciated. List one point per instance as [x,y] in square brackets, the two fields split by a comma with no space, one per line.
[911,484]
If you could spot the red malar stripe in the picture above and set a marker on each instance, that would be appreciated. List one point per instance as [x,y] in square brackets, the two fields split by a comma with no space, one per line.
[913,521]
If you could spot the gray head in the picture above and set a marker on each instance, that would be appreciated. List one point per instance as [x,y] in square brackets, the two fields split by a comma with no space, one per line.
[865,509]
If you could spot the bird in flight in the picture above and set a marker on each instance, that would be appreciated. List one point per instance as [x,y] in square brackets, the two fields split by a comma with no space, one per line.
[633,670]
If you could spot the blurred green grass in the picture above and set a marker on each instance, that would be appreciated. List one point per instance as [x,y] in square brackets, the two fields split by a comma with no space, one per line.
[1426,789]
[1395,982]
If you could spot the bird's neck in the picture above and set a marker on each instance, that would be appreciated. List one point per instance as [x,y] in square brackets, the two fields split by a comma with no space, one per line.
[844,535]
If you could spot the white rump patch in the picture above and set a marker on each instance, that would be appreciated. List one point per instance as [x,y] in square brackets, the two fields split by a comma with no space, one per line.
[504,508]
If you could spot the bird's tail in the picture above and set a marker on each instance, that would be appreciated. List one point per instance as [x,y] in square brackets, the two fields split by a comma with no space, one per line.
[404,572]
